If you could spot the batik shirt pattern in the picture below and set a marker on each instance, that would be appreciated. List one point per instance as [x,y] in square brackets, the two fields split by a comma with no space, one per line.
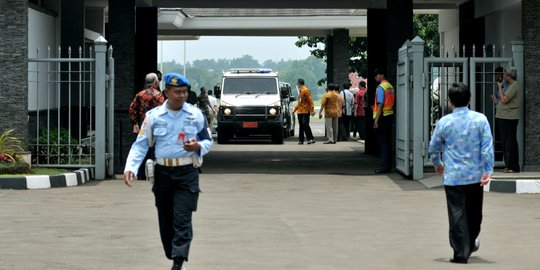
[143,102]
[465,141]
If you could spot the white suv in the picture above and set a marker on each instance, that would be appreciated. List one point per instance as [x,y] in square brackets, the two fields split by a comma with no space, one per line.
[253,102]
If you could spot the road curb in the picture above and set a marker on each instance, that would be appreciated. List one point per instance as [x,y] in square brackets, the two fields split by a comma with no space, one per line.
[70,179]
[515,183]
[513,186]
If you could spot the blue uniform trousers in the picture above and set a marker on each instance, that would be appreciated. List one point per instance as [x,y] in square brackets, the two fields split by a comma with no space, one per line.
[176,190]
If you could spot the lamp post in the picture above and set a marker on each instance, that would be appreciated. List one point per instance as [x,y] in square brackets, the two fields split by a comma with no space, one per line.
[185,58]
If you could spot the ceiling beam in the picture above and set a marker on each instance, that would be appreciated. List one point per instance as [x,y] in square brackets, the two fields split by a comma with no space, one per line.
[309,4]
[174,34]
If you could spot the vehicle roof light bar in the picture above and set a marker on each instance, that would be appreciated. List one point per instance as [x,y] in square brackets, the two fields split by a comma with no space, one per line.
[250,70]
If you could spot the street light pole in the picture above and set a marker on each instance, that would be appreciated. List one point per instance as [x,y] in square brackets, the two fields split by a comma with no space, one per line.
[184,58]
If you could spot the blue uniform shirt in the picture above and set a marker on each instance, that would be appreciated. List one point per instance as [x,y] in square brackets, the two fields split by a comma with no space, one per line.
[380,95]
[464,138]
[166,131]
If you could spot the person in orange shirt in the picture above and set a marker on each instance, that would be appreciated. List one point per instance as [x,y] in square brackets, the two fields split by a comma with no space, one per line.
[331,104]
[304,109]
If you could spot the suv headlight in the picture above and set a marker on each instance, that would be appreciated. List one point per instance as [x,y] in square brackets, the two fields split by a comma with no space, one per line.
[274,108]
[227,111]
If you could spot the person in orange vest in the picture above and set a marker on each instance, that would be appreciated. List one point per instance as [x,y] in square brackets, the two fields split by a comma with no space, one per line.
[383,115]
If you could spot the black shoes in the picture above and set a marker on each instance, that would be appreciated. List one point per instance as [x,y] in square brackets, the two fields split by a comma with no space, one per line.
[300,142]
[458,260]
[463,260]
[476,245]
[178,264]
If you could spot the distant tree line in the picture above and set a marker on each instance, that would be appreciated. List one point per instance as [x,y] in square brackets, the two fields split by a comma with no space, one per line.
[208,72]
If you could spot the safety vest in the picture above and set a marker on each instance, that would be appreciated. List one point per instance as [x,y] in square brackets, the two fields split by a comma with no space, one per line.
[389,96]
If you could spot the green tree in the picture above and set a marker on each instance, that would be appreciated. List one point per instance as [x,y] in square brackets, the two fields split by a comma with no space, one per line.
[357,52]
[426,26]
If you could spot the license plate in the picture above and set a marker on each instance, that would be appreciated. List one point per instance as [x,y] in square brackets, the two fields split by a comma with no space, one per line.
[249,124]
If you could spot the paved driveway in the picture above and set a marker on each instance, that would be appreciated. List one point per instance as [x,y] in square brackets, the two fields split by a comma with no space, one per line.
[266,207]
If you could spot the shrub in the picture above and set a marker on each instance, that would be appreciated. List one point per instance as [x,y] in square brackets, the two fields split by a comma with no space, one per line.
[9,146]
[58,153]
[17,167]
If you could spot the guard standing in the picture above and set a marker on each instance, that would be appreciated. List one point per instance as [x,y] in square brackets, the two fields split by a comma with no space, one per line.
[181,137]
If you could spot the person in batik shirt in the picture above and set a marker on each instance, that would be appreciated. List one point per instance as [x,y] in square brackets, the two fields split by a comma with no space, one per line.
[144,101]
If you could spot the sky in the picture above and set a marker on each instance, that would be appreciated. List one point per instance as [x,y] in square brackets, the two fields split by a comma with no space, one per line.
[261,48]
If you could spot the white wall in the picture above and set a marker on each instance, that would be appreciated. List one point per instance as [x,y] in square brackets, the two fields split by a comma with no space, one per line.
[41,35]
[486,7]
[503,27]
[449,30]
[502,22]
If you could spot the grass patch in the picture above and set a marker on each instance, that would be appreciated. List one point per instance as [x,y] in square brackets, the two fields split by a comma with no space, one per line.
[38,171]
[49,171]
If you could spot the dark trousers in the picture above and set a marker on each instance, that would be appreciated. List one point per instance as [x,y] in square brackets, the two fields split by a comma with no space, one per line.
[176,190]
[465,217]
[360,127]
[508,131]
[384,132]
[344,127]
[303,121]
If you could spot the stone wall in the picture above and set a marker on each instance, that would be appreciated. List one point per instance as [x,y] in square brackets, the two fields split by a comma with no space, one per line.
[340,66]
[121,35]
[14,68]
[531,28]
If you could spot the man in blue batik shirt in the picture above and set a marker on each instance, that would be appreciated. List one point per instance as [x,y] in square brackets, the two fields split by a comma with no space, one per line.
[464,139]
[181,137]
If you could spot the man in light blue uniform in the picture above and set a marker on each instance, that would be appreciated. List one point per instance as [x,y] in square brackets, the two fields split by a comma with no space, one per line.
[464,138]
[181,137]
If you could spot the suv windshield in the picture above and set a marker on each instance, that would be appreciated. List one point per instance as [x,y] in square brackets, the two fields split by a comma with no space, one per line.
[250,86]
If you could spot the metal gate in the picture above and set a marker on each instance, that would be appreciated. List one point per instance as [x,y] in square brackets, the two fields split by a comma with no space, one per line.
[67,106]
[438,74]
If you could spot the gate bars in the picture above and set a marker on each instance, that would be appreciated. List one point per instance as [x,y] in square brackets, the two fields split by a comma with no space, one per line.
[422,89]
[68,113]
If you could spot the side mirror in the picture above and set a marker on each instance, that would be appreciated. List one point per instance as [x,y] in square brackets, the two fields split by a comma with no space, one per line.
[284,92]
[217,91]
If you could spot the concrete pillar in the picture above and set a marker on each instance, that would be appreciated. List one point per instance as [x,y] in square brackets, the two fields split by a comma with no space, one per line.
[14,70]
[145,43]
[399,28]
[340,55]
[72,26]
[530,27]
[329,59]
[387,31]
[376,59]
[121,35]
[471,30]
